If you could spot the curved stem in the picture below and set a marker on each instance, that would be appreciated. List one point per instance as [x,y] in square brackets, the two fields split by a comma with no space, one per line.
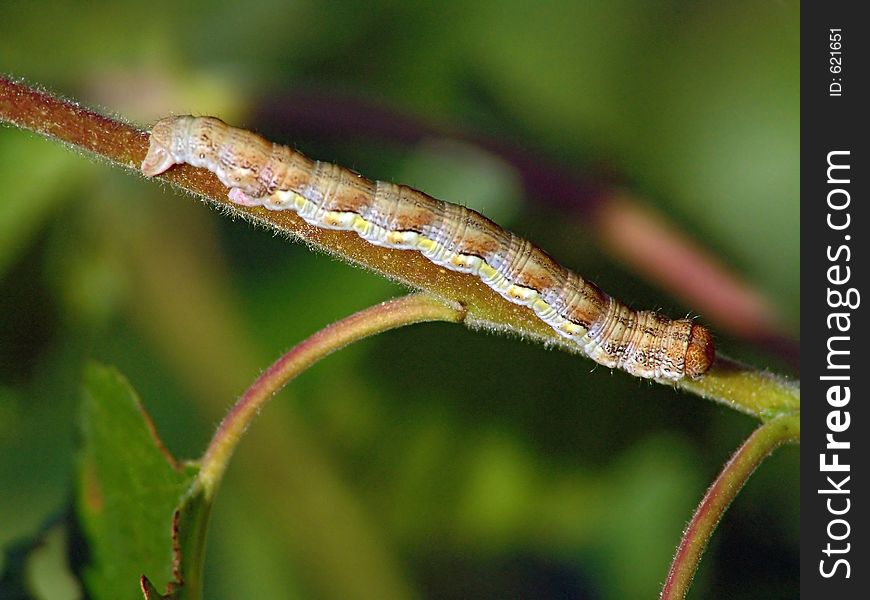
[764,440]
[414,308]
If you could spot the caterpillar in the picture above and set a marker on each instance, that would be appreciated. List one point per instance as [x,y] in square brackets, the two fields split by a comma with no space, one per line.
[260,173]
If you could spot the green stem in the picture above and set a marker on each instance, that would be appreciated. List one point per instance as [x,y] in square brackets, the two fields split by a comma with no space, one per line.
[760,394]
[410,309]
[764,440]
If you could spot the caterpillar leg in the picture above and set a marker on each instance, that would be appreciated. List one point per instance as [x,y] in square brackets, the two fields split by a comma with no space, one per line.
[237,196]
[273,202]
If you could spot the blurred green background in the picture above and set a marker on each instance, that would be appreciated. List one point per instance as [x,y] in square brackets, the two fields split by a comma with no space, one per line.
[431,461]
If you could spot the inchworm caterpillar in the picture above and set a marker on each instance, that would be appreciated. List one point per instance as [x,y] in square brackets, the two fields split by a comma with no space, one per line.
[260,173]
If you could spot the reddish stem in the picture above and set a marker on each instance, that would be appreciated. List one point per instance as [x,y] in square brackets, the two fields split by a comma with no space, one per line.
[71,123]
[410,309]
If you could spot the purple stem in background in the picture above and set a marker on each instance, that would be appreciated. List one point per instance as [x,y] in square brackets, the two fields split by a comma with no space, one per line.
[335,117]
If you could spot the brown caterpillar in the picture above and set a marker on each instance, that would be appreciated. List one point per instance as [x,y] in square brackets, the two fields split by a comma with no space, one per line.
[260,173]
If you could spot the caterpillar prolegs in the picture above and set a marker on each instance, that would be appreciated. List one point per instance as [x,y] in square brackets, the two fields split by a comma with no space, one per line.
[260,173]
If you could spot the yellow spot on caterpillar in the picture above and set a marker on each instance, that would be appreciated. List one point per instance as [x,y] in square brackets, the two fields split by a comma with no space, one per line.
[572,328]
[487,273]
[521,293]
[424,244]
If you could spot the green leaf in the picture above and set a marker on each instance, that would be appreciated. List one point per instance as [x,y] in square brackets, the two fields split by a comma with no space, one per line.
[128,492]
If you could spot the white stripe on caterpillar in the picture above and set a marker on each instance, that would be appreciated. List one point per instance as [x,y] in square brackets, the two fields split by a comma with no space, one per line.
[260,173]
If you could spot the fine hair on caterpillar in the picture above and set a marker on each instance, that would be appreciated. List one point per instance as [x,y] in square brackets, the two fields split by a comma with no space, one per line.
[261,173]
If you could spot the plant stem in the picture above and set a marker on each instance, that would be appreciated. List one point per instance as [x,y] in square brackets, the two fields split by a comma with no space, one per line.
[764,440]
[756,393]
[72,124]
[410,309]
[760,394]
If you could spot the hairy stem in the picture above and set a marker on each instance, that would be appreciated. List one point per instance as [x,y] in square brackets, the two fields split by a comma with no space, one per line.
[764,440]
[410,309]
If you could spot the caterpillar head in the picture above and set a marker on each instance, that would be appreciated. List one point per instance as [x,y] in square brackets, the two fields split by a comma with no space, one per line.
[166,147]
[700,352]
